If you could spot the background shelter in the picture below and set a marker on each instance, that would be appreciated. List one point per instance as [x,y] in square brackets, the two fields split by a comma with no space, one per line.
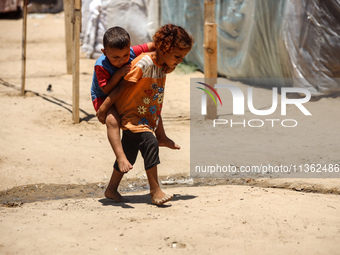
[297,41]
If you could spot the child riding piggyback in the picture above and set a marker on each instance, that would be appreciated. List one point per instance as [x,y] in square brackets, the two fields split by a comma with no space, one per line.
[138,99]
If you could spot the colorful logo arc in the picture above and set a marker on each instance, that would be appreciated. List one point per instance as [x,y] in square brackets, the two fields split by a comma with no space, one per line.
[209,93]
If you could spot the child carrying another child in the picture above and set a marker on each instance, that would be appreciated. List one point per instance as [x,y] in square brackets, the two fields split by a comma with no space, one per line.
[138,99]
[109,69]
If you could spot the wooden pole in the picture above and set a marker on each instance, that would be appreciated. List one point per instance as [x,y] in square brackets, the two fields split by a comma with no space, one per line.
[23,56]
[210,54]
[76,47]
[68,33]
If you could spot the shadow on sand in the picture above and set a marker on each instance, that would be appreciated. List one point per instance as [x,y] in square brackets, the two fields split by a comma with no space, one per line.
[142,199]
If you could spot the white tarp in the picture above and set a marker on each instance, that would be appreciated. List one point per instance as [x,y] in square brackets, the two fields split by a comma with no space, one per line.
[312,37]
[138,17]
[297,41]
[9,5]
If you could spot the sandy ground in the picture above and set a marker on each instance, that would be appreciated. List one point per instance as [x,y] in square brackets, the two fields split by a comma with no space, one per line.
[40,145]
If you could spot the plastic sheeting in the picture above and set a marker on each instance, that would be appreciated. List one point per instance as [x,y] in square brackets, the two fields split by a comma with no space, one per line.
[312,37]
[138,17]
[296,40]
[248,34]
[9,5]
[263,39]
[45,6]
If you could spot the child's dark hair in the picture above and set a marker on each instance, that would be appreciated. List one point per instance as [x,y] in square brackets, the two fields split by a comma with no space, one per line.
[170,36]
[116,37]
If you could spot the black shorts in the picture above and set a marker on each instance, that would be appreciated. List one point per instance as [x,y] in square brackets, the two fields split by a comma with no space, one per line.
[146,143]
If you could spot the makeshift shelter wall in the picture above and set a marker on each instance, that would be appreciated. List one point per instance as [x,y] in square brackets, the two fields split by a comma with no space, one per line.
[312,38]
[45,6]
[9,5]
[296,40]
[138,17]
[248,35]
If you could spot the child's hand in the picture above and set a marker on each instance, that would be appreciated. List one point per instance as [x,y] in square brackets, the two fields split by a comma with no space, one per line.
[101,116]
[124,70]
[167,69]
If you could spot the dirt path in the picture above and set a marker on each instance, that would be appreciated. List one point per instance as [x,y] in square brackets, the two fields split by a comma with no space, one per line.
[43,155]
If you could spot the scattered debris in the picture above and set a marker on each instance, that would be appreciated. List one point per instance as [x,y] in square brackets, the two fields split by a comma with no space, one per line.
[189,181]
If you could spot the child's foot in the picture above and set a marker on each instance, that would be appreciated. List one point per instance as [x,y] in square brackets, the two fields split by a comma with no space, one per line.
[167,142]
[124,165]
[160,198]
[114,195]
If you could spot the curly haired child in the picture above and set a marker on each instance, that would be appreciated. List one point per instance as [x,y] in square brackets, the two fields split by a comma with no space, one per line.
[139,99]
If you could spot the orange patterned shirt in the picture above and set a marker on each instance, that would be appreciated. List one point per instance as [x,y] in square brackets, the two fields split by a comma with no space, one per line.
[140,104]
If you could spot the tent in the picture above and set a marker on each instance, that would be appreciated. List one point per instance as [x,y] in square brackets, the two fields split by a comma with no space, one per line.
[295,41]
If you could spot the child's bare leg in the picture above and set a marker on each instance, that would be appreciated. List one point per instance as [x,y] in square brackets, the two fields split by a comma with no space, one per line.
[158,197]
[163,140]
[111,191]
[113,124]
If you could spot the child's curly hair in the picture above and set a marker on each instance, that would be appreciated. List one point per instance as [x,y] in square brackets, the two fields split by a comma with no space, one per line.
[170,36]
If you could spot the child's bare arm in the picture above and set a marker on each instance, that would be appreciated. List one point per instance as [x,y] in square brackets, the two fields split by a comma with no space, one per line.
[115,78]
[151,46]
[111,99]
